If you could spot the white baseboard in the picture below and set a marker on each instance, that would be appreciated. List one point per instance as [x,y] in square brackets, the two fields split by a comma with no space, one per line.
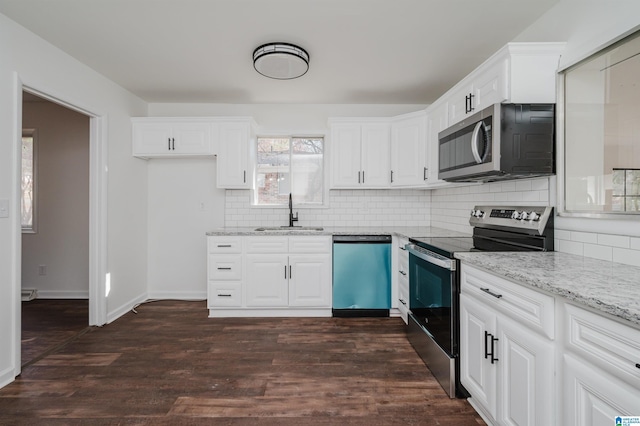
[269,313]
[7,376]
[178,295]
[62,294]
[123,309]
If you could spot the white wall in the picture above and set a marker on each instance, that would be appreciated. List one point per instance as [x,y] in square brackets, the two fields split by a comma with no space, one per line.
[61,243]
[184,204]
[25,56]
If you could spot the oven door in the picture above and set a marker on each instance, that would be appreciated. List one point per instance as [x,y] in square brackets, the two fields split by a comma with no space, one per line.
[433,296]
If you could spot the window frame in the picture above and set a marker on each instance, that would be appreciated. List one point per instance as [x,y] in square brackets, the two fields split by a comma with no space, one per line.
[325,172]
[561,157]
[33,229]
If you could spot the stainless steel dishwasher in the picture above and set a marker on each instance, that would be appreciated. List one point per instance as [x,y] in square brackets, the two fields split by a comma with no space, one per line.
[361,275]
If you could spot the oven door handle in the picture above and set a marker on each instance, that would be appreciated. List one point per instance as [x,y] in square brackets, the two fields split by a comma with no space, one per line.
[431,257]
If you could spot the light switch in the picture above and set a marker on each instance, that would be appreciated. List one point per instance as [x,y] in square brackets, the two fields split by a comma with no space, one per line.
[4,208]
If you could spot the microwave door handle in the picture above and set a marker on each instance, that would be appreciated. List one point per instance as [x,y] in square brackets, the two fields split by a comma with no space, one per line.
[474,142]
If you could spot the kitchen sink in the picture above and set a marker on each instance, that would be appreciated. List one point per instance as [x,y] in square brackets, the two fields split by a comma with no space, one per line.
[290,228]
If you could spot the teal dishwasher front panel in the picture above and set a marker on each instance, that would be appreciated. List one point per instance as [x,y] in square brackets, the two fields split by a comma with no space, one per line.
[361,276]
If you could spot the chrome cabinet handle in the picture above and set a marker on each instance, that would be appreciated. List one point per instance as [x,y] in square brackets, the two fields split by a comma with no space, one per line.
[244,176]
[224,295]
[224,245]
[403,273]
[402,301]
[638,365]
[224,269]
[391,176]
[424,174]
[496,295]
[358,176]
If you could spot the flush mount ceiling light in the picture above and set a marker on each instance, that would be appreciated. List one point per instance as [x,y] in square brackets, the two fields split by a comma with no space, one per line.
[282,61]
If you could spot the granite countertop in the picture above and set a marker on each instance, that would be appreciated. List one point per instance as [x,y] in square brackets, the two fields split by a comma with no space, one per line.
[401,231]
[609,287]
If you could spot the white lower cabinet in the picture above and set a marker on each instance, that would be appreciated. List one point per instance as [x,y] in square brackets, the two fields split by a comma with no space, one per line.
[507,367]
[402,278]
[275,276]
[596,358]
[601,368]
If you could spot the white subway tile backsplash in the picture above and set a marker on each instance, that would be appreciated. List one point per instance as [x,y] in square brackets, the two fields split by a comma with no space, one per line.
[584,237]
[634,243]
[570,247]
[630,257]
[562,234]
[614,240]
[598,252]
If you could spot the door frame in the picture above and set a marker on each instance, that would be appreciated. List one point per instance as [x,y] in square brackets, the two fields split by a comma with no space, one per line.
[98,208]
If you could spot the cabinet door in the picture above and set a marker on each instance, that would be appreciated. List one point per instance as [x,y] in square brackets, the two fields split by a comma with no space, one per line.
[490,87]
[310,280]
[477,373]
[345,152]
[459,104]
[525,376]
[592,397]
[233,156]
[266,283]
[407,152]
[193,138]
[151,139]
[375,155]
[437,122]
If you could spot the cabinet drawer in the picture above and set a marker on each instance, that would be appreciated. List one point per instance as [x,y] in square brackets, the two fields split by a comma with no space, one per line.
[224,244]
[532,308]
[267,244]
[225,267]
[403,291]
[613,346]
[304,244]
[224,294]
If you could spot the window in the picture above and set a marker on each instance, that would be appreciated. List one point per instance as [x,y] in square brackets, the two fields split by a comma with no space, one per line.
[289,165]
[602,132]
[28,196]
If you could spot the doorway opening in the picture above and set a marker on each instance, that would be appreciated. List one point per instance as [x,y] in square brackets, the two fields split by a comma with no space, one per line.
[55,201]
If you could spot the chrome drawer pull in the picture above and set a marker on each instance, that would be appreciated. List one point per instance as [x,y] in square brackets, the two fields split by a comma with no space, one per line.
[496,295]
[224,245]
[403,273]
[224,295]
[403,301]
[224,269]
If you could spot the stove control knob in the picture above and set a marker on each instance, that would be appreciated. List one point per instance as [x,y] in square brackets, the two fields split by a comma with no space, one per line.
[477,213]
[516,215]
[533,216]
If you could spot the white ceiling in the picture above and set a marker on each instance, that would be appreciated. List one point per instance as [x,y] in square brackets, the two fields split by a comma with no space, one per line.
[361,51]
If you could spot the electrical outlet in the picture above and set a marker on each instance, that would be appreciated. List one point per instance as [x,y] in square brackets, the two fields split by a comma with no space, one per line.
[4,208]
[42,269]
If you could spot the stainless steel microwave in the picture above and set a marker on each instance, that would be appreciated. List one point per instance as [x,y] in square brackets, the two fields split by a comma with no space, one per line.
[503,141]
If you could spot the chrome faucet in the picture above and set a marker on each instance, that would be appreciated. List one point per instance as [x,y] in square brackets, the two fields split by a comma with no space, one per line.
[292,218]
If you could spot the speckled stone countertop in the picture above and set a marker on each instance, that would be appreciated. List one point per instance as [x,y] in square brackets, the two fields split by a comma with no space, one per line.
[407,232]
[609,287]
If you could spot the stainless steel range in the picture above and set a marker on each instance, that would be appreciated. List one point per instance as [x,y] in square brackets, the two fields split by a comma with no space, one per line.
[434,289]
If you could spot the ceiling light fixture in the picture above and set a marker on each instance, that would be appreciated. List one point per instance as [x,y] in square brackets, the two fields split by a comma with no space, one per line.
[282,61]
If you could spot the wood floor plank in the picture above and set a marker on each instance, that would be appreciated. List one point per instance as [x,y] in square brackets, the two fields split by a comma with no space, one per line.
[172,365]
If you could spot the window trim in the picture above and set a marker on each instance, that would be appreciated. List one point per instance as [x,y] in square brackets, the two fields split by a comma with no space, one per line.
[325,183]
[33,229]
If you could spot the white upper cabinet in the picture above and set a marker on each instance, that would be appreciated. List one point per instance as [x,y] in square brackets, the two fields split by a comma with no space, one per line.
[517,73]
[437,121]
[359,154]
[173,137]
[235,165]
[408,147]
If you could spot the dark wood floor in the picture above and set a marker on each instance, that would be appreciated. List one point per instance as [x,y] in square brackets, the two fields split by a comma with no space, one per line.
[48,323]
[171,365]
